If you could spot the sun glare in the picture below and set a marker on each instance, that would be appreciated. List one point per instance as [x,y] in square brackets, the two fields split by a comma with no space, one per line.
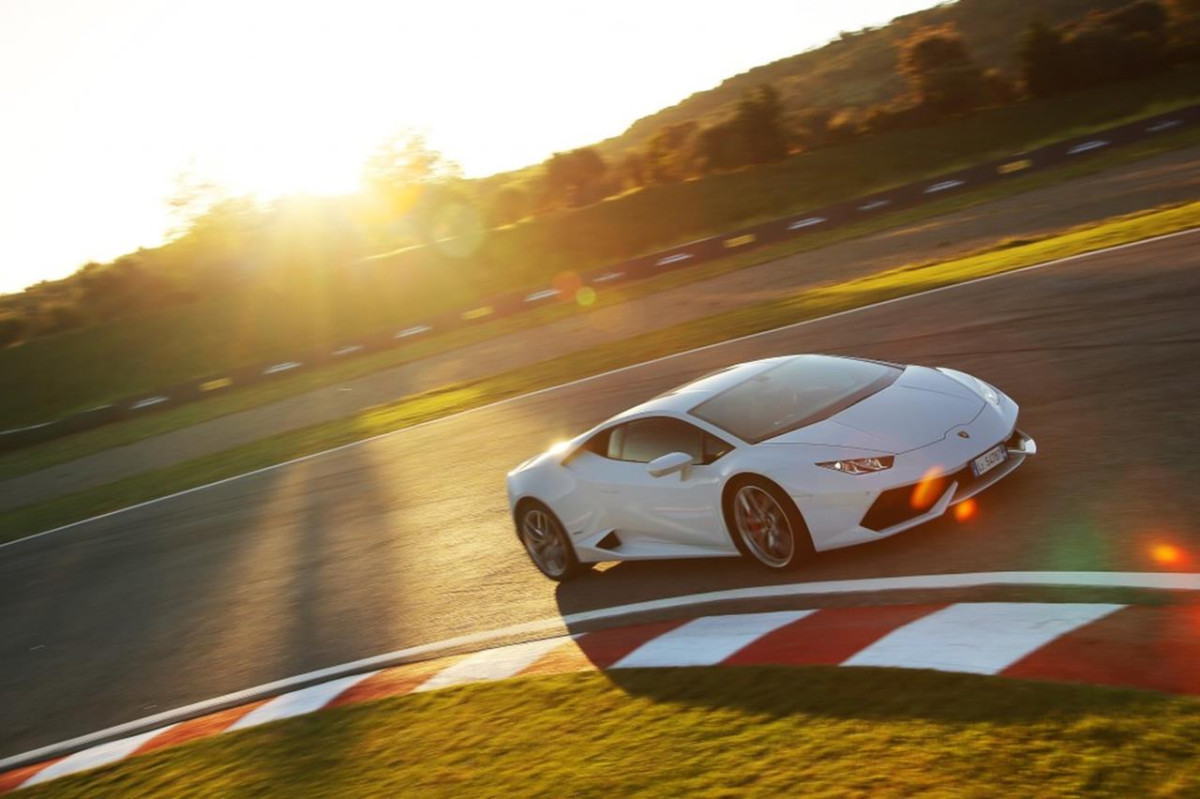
[966,510]
[112,100]
[929,489]
[1168,555]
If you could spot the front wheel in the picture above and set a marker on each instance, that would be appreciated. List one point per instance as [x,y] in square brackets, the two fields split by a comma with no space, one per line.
[766,524]
[546,542]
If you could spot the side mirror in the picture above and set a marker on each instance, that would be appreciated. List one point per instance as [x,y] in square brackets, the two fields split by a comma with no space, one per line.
[669,464]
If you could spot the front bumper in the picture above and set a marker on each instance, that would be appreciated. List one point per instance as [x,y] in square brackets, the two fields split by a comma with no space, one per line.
[904,507]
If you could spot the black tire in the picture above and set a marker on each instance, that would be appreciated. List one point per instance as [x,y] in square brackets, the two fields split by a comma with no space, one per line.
[555,556]
[787,521]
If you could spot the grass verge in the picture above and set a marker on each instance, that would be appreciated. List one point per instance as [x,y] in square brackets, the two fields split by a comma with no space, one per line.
[72,447]
[810,304]
[763,731]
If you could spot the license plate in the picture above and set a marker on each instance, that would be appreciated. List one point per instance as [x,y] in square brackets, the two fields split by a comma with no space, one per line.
[989,460]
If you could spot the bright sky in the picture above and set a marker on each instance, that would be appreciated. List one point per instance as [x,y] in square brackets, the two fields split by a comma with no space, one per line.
[105,101]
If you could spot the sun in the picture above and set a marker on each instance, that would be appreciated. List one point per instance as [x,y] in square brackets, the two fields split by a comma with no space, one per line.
[302,162]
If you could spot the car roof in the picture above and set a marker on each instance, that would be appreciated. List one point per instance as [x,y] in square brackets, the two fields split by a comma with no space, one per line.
[682,399]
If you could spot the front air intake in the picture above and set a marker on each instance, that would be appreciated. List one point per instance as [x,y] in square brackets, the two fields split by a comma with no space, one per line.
[899,505]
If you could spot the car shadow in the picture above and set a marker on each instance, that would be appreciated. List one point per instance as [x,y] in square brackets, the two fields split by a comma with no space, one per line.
[861,693]
[880,694]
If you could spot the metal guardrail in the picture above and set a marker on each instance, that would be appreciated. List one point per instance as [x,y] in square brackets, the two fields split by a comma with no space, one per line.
[681,257]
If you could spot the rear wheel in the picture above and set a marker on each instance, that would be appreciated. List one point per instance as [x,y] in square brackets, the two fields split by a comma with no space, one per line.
[766,524]
[546,542]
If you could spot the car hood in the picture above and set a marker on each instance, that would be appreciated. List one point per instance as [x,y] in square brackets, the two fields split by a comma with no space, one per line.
[919,408]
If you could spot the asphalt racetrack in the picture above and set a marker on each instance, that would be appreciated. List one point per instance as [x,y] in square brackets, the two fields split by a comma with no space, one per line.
[407,539]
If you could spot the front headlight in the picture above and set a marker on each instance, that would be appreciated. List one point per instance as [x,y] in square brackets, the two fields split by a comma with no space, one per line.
[860,465]
[987,392]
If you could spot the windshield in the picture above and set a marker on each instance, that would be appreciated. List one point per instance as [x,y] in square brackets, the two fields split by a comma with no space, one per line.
[797,392]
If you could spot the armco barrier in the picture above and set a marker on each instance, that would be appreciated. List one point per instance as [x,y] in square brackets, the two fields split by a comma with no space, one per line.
[681,257]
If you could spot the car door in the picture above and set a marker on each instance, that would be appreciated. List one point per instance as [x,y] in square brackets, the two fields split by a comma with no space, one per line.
[588,509]
[682,508]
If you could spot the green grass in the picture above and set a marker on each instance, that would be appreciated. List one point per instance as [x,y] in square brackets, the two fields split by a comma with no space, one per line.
[323,306]
[821,301]
[711,732]
[76,446]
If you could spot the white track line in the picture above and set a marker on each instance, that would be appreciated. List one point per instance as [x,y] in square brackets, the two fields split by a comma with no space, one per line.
[602,375]
[39,425]
[554,627]
[146,403]
[943,186]
[977,638]
[707,641]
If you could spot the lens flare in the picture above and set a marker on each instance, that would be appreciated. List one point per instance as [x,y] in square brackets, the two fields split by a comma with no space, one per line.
[926,492]
[567,283]
[585,296]
[965,510]
[456,229]
[1168,555]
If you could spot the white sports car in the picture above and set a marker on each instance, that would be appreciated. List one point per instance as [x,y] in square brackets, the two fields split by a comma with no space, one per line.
[774,459]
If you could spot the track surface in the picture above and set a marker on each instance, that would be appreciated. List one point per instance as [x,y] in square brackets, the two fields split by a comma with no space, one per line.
[407,540]
[1169,178]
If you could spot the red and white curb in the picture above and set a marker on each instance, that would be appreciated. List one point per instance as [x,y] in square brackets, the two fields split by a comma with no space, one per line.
[1127,645]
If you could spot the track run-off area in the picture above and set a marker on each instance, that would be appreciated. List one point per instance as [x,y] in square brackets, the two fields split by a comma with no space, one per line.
[406,539]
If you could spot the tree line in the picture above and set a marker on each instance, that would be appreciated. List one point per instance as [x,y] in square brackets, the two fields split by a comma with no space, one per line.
[943,79]
[227,244]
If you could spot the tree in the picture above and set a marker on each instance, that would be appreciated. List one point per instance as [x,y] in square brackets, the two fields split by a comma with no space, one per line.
[943,75]
[58,317]
[12,330]
[406,161]
[1144,17]
[842,127]
[510,204]
[755,134]
[574,178]
[759,121]
[633,170]
[1044,63]
[107,292]
[667,155]
[1001,90]
[1101,53]
[414,186]
[1183,28]
[721,147]
[192,196]
[1183,9]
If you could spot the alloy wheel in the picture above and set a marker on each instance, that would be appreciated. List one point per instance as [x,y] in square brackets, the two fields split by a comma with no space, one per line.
[543,542]
[764,527]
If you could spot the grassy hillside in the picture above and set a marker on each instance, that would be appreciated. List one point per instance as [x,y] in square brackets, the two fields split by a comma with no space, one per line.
[859,69]
[81,369]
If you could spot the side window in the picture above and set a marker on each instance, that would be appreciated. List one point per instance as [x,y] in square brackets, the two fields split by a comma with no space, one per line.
[616,442]
[714,448]
[598,444]
[643,440]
